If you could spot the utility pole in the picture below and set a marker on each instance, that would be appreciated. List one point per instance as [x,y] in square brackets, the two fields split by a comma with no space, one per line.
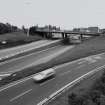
[28,32]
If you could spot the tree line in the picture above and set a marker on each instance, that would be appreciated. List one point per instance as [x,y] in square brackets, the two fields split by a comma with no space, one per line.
[7,28]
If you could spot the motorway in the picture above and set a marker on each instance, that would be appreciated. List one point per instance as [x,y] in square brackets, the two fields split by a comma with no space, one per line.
[17,64]
[9,52]
[27,92]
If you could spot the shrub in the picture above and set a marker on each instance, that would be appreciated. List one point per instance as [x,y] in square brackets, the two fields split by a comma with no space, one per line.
[96,95]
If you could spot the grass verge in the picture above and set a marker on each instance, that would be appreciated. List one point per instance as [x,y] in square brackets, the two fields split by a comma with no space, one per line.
[17,38]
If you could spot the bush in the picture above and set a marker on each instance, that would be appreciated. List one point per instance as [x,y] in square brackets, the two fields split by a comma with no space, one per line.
[96,95]
[74,99]
[99,86]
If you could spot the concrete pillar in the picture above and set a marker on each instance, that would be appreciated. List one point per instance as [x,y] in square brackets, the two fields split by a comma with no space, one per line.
[66,35]
[50,34]
[81,37]
[63,35]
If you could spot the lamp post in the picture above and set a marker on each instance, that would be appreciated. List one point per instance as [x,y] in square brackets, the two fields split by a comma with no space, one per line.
[28,32]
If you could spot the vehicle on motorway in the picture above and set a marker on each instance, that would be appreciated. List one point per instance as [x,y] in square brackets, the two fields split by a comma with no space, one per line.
[75,39]
[4,76]
[44,75]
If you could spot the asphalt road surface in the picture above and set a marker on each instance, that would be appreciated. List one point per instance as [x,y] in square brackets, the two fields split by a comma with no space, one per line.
[27,92]
[9,52]
[31,59]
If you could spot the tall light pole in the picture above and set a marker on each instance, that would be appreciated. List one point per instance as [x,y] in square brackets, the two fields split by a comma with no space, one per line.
[28,32]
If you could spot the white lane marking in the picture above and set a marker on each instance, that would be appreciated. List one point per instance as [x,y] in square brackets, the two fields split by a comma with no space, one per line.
[2,63]
[9,72]
[43,101]
[20,95]
[82,62]
[2,75]
[15,83]
[98,57]
[90,60]
[101,54]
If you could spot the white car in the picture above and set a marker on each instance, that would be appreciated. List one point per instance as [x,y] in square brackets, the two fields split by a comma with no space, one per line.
[44,75]
[2,76]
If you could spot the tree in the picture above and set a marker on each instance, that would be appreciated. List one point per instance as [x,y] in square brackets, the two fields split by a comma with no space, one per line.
[6,28]
[102,100]
[24,29]
[72,99]
[95,96]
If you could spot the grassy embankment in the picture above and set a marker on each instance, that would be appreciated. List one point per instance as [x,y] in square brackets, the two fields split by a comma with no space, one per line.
[17,38]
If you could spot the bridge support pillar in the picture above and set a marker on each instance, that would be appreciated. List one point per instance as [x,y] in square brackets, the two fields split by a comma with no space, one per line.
[63,35]
[81,37]
[66,35]
[49,35]
[45,35]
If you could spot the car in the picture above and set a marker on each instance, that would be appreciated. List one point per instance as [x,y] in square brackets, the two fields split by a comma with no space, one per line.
[2,76]
[44,75]
[4,42]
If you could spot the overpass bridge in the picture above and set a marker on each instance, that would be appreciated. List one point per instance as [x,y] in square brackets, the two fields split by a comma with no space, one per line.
[65,34]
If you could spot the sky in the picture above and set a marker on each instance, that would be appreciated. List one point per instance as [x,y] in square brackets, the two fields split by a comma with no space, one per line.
[64,13]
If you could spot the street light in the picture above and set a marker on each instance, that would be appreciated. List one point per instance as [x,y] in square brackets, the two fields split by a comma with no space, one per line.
[28,32]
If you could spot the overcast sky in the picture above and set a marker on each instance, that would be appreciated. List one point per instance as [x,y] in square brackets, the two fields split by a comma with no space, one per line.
[64,13]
